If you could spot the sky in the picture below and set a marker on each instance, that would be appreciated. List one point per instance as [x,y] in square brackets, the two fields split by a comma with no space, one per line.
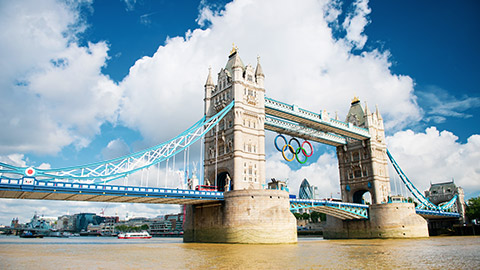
[84,81]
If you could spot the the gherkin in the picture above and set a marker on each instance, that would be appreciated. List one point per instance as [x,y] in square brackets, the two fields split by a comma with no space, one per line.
[306,191]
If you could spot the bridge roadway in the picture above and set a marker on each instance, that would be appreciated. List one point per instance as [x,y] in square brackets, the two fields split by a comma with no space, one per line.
[40,190]
[29,188]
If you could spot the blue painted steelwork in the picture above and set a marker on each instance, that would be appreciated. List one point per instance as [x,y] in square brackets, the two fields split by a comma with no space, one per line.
[28,188]
[296,130]
[424,201]
[293,113]
[340,210]
[437,213]
[346,211]
[106,171]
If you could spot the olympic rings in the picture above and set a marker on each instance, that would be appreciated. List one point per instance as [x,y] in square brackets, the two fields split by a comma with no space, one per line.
[295,151]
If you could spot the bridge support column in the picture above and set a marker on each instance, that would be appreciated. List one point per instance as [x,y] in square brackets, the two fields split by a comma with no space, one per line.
[390,220]
[250,216]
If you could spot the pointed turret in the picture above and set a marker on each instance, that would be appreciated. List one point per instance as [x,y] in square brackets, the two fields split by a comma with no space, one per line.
[368,116]
[209,81]
[356,115]
[379,118]
[234,66]
[209,89]
[258,69]
[377,112]
[259,76]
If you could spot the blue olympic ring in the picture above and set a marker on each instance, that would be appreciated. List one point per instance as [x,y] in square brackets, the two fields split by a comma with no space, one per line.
[292,150]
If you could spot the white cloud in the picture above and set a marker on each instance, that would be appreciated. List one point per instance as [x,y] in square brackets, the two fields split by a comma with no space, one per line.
[434,156]
[355,24]
[439,104]
[114,149]
[130,4]
[304,64]
[14,159]
[53,91]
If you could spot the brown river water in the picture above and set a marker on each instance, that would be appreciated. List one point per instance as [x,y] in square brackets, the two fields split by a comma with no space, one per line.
[172,253]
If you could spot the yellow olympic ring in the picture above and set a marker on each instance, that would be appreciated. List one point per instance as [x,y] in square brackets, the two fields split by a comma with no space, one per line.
[291,149]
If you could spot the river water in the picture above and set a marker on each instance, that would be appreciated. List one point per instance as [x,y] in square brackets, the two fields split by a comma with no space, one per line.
[172,253]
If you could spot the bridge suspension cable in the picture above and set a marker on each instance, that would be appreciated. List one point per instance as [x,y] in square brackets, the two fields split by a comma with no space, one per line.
[110,170]
[424,201]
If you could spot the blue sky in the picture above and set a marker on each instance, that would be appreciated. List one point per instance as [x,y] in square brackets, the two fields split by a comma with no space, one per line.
[95,79]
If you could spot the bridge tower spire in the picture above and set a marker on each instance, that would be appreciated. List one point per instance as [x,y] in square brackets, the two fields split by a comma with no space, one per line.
[363,165]
[235,154]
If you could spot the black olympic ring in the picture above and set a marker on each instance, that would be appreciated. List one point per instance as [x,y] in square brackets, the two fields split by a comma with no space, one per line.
[292,150]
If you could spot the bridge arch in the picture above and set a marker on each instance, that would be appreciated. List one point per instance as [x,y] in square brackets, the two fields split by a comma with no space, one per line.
[223,179]
[362,196]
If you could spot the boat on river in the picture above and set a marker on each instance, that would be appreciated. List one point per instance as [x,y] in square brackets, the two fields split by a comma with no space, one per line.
[29,234]
[134,235]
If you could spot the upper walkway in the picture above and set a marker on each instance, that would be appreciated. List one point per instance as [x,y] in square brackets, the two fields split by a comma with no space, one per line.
[314,121]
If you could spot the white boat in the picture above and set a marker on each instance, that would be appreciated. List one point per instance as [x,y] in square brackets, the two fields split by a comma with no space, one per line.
[134,235]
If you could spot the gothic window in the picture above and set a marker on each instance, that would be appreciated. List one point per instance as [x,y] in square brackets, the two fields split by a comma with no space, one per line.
[355,156]
[358,173]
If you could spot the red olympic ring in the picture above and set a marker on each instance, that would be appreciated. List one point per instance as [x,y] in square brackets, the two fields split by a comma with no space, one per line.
[292,150]
[303,148]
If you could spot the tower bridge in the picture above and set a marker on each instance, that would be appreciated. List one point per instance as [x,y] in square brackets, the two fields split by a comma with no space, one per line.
[232,132]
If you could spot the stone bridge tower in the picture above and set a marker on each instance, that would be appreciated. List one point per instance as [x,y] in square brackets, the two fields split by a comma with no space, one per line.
[363,165]
[235,162]
[235,149]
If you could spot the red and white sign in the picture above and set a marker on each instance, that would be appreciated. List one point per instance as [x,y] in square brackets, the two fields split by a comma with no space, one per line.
[30,171]
[28,181]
